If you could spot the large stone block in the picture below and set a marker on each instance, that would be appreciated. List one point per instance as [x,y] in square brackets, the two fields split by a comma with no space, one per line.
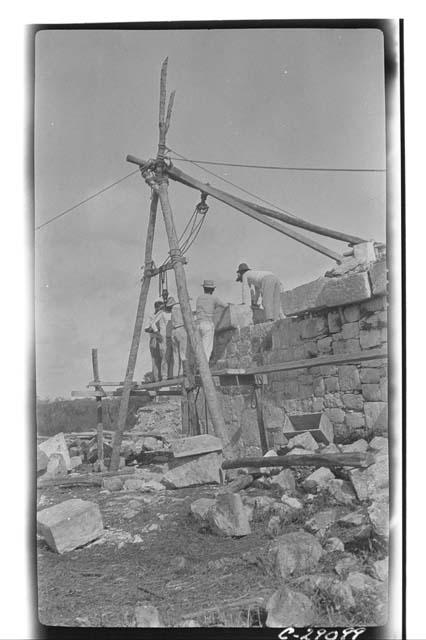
[353,401]
[379,278]
[57,444]
[70,524]
[334,322]
[326,292]
[350,330]
[370,338]
[42,460]
[313,327]
[194,470]
[235,316]
[194,445]
[228,516]
[286,333]
[286,608]
[376,416]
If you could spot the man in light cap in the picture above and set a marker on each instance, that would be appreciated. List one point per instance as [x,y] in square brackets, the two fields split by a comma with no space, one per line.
[263,284]
[206,306]
[179,338]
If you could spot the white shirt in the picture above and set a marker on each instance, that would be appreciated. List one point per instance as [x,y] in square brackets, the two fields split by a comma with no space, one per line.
[252,290]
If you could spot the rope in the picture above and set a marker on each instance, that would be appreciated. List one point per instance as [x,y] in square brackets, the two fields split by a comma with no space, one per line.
[94,195]
[276,167]
[216,175]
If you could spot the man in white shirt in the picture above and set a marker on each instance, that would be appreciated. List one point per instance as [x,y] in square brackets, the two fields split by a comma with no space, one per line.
[263,284]
[206,305]
[158,342]
[179,338]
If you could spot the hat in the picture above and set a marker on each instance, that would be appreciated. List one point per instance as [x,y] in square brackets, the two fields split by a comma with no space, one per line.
[170,302]
[209,284]
[243,267]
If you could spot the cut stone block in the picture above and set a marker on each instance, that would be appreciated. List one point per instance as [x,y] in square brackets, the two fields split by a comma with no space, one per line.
[318,479]
[56,466]
[321,521]
[284,481]
[199,509]
[70,524]
[326,292]
[42,460]
[286,608]
[76,461]
[341,491]
[376,416]
[194,445]
[359,445]
[297,551]
[112,484]
[147,615]
[57,444]
[228,516]
[235,316]
[379,278]
[368,482]
[303,440]
[378,443]
[349,378]
[378,513]
[365,252]
[194,470]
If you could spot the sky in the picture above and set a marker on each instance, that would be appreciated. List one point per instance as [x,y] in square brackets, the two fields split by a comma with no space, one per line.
[290,97]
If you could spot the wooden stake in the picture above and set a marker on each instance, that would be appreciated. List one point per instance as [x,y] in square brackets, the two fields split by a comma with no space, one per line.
[177,262]
[99,426]
[258,394]
[133,354]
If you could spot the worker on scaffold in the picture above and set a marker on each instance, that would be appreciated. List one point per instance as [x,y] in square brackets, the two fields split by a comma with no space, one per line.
[157,329]
[179,338]
[206,305]
[264,285]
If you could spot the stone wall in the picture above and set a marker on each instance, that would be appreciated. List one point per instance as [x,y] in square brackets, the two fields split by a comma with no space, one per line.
[339,313]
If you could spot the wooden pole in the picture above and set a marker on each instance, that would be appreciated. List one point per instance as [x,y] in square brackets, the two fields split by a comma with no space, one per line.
[177,262]
[134,347]
[99,426]
[241,205]
[352,459]
[258,394]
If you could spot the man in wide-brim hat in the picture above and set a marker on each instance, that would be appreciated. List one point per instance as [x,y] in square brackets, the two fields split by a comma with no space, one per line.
[263,284]
[206,305]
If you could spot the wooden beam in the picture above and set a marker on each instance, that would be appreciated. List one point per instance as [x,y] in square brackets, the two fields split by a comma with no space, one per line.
[99,394]
[352,459]
[258,394]
[319,361]
[141,386]
[137,331]
[82,478]
[180,176]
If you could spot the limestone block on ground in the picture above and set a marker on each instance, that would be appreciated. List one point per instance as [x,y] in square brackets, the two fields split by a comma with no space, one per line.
[380,569]
[57,444]
[359,445]
[318,479]
[42,460]
[331,448]
[378,513]
[303,440]
[292,503]
[200,508]
[194,470]
[56,466]
[353,519]
[228,516]
[341,491]
[194,445]
[378,443]
[368,482]
[296,551]
[326,292]
[346,564]
[328,585]
[287,608]
[267,470]
[297,451]
[284,481]
[147,615]
[76,462]
[134,484]
[333,544]
[379,278]
[70,524]
[152,444]
[112,484]
[235,316]
[321,521]
[361,582]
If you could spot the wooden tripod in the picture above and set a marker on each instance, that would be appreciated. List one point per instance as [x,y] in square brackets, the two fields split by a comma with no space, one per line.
[156,176]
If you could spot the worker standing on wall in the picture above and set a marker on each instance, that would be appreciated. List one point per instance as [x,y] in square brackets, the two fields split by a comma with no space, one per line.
[178,337]
[263,284]
[206,305]
[157,341]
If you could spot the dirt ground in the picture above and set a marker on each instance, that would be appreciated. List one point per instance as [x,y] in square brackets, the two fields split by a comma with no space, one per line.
[178,568]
